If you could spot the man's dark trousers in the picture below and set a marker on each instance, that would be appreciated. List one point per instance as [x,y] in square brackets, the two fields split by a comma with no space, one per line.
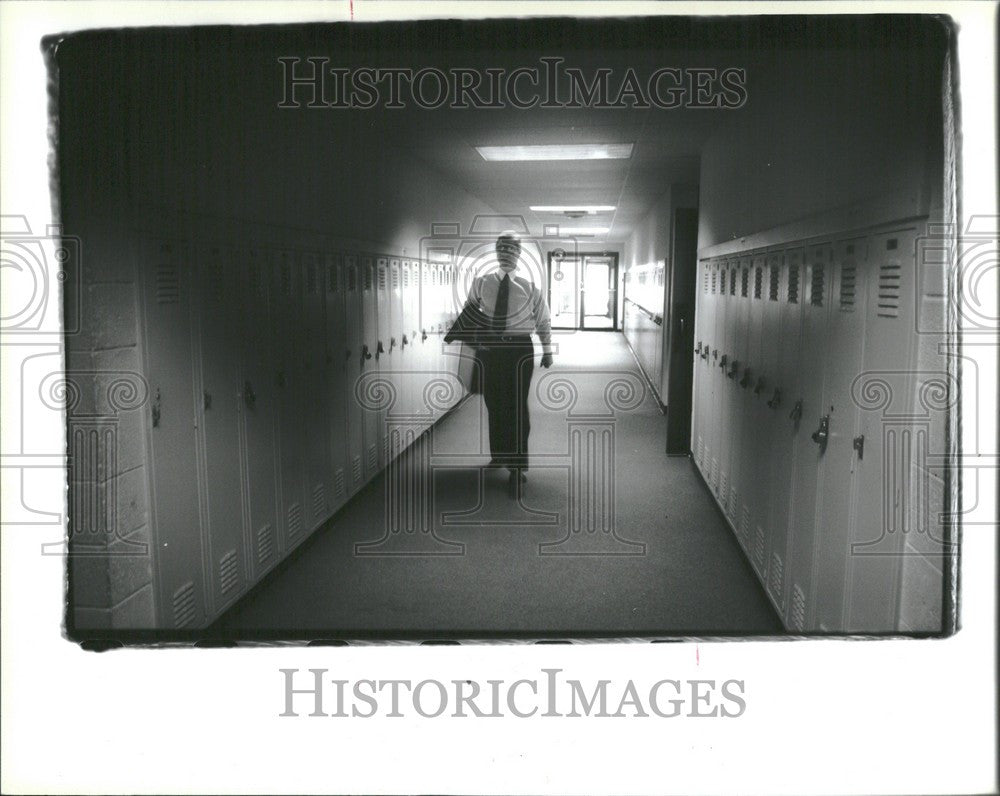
[508,364]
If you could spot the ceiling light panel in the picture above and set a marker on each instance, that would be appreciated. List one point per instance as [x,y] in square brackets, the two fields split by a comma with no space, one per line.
[557,152]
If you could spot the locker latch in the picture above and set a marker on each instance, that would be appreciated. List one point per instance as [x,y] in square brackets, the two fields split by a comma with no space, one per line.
[733,369]
[379,350]
[796,413]
[723,361]
[392,343]
[697,348]
[746,378]
[704,353]
[759,385]
[249,396]
[365,353]
[423,335]
[859,446]
[405,341]
[715,353]
[821,434]
[775,399]
[156,408]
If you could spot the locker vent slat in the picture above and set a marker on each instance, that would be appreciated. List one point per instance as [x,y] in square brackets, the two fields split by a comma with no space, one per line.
[338,482]
[704,281]
[793,284]
[758,282]
[352,279]
[732,282]
[168,285]
[183,604]
[406,276]
[745,522]
[745,283]
[798,608]
[734,502]
[776,577]
[294,520]
[722,281]
[758,545]
[818,283]
[715,473]
[265,543]
[356,470]
[331,278]
[372,457]
[848,286]
[775,282]
[368,277]
[319,500]
[395,277]
[714,277]
[889,275]
[229,574]
[381,278]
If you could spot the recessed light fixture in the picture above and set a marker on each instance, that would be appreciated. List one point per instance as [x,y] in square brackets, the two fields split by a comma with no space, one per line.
[587,209]
[569,232]
[557,152]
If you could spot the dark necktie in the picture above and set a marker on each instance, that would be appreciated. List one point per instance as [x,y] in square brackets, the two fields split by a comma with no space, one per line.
[503,298]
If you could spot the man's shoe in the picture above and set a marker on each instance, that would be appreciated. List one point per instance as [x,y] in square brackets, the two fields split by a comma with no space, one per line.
[518,476]
[494,464]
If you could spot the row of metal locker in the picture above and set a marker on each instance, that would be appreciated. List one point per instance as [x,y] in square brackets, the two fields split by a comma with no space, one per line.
[271,372]
[805,470]
[642,319]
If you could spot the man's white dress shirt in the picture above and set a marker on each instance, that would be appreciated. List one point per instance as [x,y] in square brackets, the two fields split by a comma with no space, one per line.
[527,310]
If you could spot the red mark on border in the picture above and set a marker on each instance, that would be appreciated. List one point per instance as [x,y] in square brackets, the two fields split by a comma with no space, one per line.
[697,656]
[352,9]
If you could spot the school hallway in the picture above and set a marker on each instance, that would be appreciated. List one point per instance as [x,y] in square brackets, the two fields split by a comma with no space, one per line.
[691,577]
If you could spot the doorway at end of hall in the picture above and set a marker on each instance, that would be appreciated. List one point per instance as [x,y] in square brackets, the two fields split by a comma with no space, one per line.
[583,291]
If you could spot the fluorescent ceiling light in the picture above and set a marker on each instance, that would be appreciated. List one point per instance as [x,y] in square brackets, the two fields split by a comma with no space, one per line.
[588,209]
[557,152]
[570,231]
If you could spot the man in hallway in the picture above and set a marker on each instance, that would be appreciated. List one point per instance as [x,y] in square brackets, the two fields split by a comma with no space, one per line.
[514,308]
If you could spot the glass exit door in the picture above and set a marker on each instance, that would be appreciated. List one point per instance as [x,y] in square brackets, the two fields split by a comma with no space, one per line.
[583,291]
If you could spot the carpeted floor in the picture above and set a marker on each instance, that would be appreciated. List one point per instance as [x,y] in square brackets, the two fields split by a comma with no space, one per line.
[547,563]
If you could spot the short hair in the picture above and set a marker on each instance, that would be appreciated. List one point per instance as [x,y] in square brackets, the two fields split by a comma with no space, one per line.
[509,239]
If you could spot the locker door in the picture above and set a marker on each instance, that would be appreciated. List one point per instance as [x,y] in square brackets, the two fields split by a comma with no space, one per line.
[394,297]
[219,421]
[845,352]
[370,362]
[287,331]
[450,315]
[357,358]
[315,362]
[698,373]
[714,433]
[435,338]
[771,409]
[738,384]
[383,354]
[405,347]
[259,412]
[337,373]
[727,334]
[891,446]
[755,460]
[814,296]
[173,476]
[786,410]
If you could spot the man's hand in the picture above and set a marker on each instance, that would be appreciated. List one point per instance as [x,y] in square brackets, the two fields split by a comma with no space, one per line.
[546,360]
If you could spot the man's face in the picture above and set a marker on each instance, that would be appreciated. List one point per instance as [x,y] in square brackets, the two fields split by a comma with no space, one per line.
[508,254]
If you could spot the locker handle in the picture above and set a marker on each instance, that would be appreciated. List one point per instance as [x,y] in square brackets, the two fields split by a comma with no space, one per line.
[796,413]
[822,434]
[249,396]
[405,341]
[723,361]
[859,446]
[379,350]
[156,408]
[746,378]
[733,369]
[392,343]
[759,385]
[775,399]
[704,353]
[365,353]
[697,348]
[715,353]
[423,335]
